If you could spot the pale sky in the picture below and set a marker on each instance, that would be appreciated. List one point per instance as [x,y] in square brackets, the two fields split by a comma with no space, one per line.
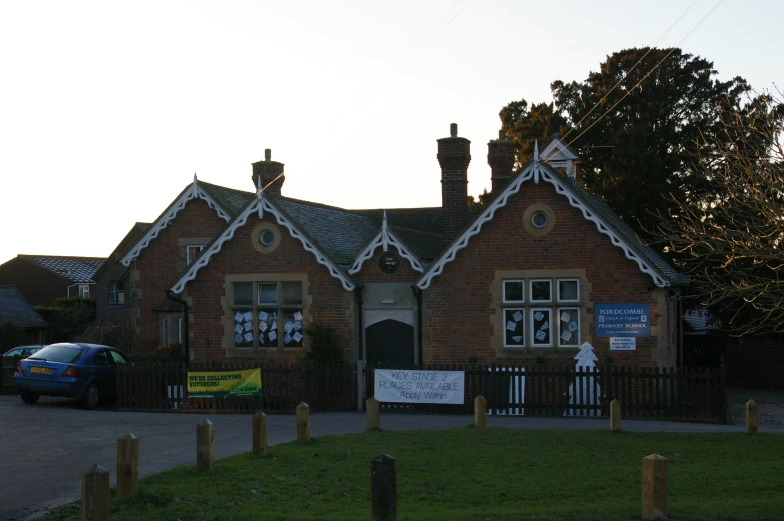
[107,109]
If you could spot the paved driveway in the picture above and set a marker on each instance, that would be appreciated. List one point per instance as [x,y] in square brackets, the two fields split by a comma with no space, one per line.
[45,447]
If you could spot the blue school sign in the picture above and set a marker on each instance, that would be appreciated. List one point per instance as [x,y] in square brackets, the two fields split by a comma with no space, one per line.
[622,320]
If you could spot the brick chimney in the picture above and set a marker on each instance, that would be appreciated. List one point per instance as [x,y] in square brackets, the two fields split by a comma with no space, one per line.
[268,171]
[454,154]
[501,158]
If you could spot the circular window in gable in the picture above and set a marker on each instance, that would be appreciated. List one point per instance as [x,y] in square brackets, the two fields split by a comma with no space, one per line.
[539,220]
[265,237]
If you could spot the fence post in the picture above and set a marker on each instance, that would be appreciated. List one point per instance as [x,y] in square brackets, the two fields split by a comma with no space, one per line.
[480,412]
[259,433]
[752,417]
[383,488]
[373,408]
[654,488]
[615,415]
[204,453]
[95,493]
[303,422]
[127,466]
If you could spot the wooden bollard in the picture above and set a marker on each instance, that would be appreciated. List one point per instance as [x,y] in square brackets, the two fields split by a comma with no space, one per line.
[480,412]
[95,493]
[204,453]
[615,416]
[383,489]
[752,417]
[373,408]
[127,466]
[654,488]
[259,433]
[303,422]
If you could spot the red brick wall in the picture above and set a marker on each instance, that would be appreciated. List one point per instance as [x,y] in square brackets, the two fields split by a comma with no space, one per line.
[158,264]
[458,309]
[330,302]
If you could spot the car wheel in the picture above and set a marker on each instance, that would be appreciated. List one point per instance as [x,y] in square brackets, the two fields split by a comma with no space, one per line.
[29,397]
[91,396]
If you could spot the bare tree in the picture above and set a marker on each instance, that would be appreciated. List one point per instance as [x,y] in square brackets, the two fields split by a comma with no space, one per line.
[732,245]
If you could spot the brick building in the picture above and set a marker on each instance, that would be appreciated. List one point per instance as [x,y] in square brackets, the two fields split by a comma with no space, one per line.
[519,279]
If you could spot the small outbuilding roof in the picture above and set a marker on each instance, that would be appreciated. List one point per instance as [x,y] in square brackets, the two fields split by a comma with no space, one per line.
[14,308]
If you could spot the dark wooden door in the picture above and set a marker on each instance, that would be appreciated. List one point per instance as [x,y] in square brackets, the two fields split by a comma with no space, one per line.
[390,341]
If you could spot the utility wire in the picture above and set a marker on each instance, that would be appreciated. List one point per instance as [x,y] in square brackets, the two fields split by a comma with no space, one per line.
[627,73]
[646,76]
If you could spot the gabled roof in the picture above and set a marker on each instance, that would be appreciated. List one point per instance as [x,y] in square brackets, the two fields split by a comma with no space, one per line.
[75,269]
[558,153]
[224,201]
[133,235]
[592,208]
[260,205]
[384,239]
[14,308]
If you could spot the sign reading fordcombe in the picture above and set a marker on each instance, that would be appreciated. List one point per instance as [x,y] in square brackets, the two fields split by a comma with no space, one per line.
[622,320]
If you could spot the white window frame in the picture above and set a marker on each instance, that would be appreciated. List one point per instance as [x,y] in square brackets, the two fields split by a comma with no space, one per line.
[525,318]
[578,309]
[531,292]
[532,329]
[188,247]
[84,290]
[503,289]
[277,309]
[558,289]
[113,292]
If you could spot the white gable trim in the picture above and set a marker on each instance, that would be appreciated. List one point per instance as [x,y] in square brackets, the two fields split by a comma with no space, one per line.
[194,192]
[391,240]
[533,171]
[259,205]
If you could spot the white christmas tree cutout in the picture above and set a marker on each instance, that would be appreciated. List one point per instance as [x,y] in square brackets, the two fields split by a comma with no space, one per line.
[583,393]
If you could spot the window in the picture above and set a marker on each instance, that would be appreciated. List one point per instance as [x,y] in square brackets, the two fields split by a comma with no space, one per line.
[164,331]
[116,294]
[192,252]
[179,329]
[84,290]
[118,358]
[268,314]
[548,315]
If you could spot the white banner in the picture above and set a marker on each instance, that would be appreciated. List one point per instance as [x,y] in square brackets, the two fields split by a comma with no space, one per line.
[417,386]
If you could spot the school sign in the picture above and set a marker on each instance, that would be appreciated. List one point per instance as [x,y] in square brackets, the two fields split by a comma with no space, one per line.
[622,320]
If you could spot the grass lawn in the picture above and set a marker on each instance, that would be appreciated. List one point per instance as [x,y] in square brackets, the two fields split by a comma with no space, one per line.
[496,474]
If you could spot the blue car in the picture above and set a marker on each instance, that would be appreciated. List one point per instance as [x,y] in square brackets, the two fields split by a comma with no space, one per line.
[85,372]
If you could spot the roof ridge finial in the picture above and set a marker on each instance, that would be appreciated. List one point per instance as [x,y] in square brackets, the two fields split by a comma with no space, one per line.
[536,150]
[260,197]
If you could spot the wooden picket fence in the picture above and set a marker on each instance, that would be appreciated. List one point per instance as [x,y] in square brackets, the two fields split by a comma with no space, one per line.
[163,387]
[533,390]
[542,390]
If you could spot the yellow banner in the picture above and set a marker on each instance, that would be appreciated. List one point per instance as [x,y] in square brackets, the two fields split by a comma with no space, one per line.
[224,384]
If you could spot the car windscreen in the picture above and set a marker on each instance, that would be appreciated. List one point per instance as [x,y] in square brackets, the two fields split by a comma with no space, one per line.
[66,355]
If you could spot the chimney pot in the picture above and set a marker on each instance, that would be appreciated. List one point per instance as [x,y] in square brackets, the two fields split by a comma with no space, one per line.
[453,130]
[267,154]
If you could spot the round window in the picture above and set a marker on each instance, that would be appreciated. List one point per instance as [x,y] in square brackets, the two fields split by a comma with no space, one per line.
[539,220]
[267,237]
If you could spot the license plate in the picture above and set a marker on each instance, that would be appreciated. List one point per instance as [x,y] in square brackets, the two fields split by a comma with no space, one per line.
[42,370]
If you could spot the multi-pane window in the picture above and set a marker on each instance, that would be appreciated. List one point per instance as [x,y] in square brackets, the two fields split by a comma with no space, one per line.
[116,294]
[268,314]
[84,290]
[541,312]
